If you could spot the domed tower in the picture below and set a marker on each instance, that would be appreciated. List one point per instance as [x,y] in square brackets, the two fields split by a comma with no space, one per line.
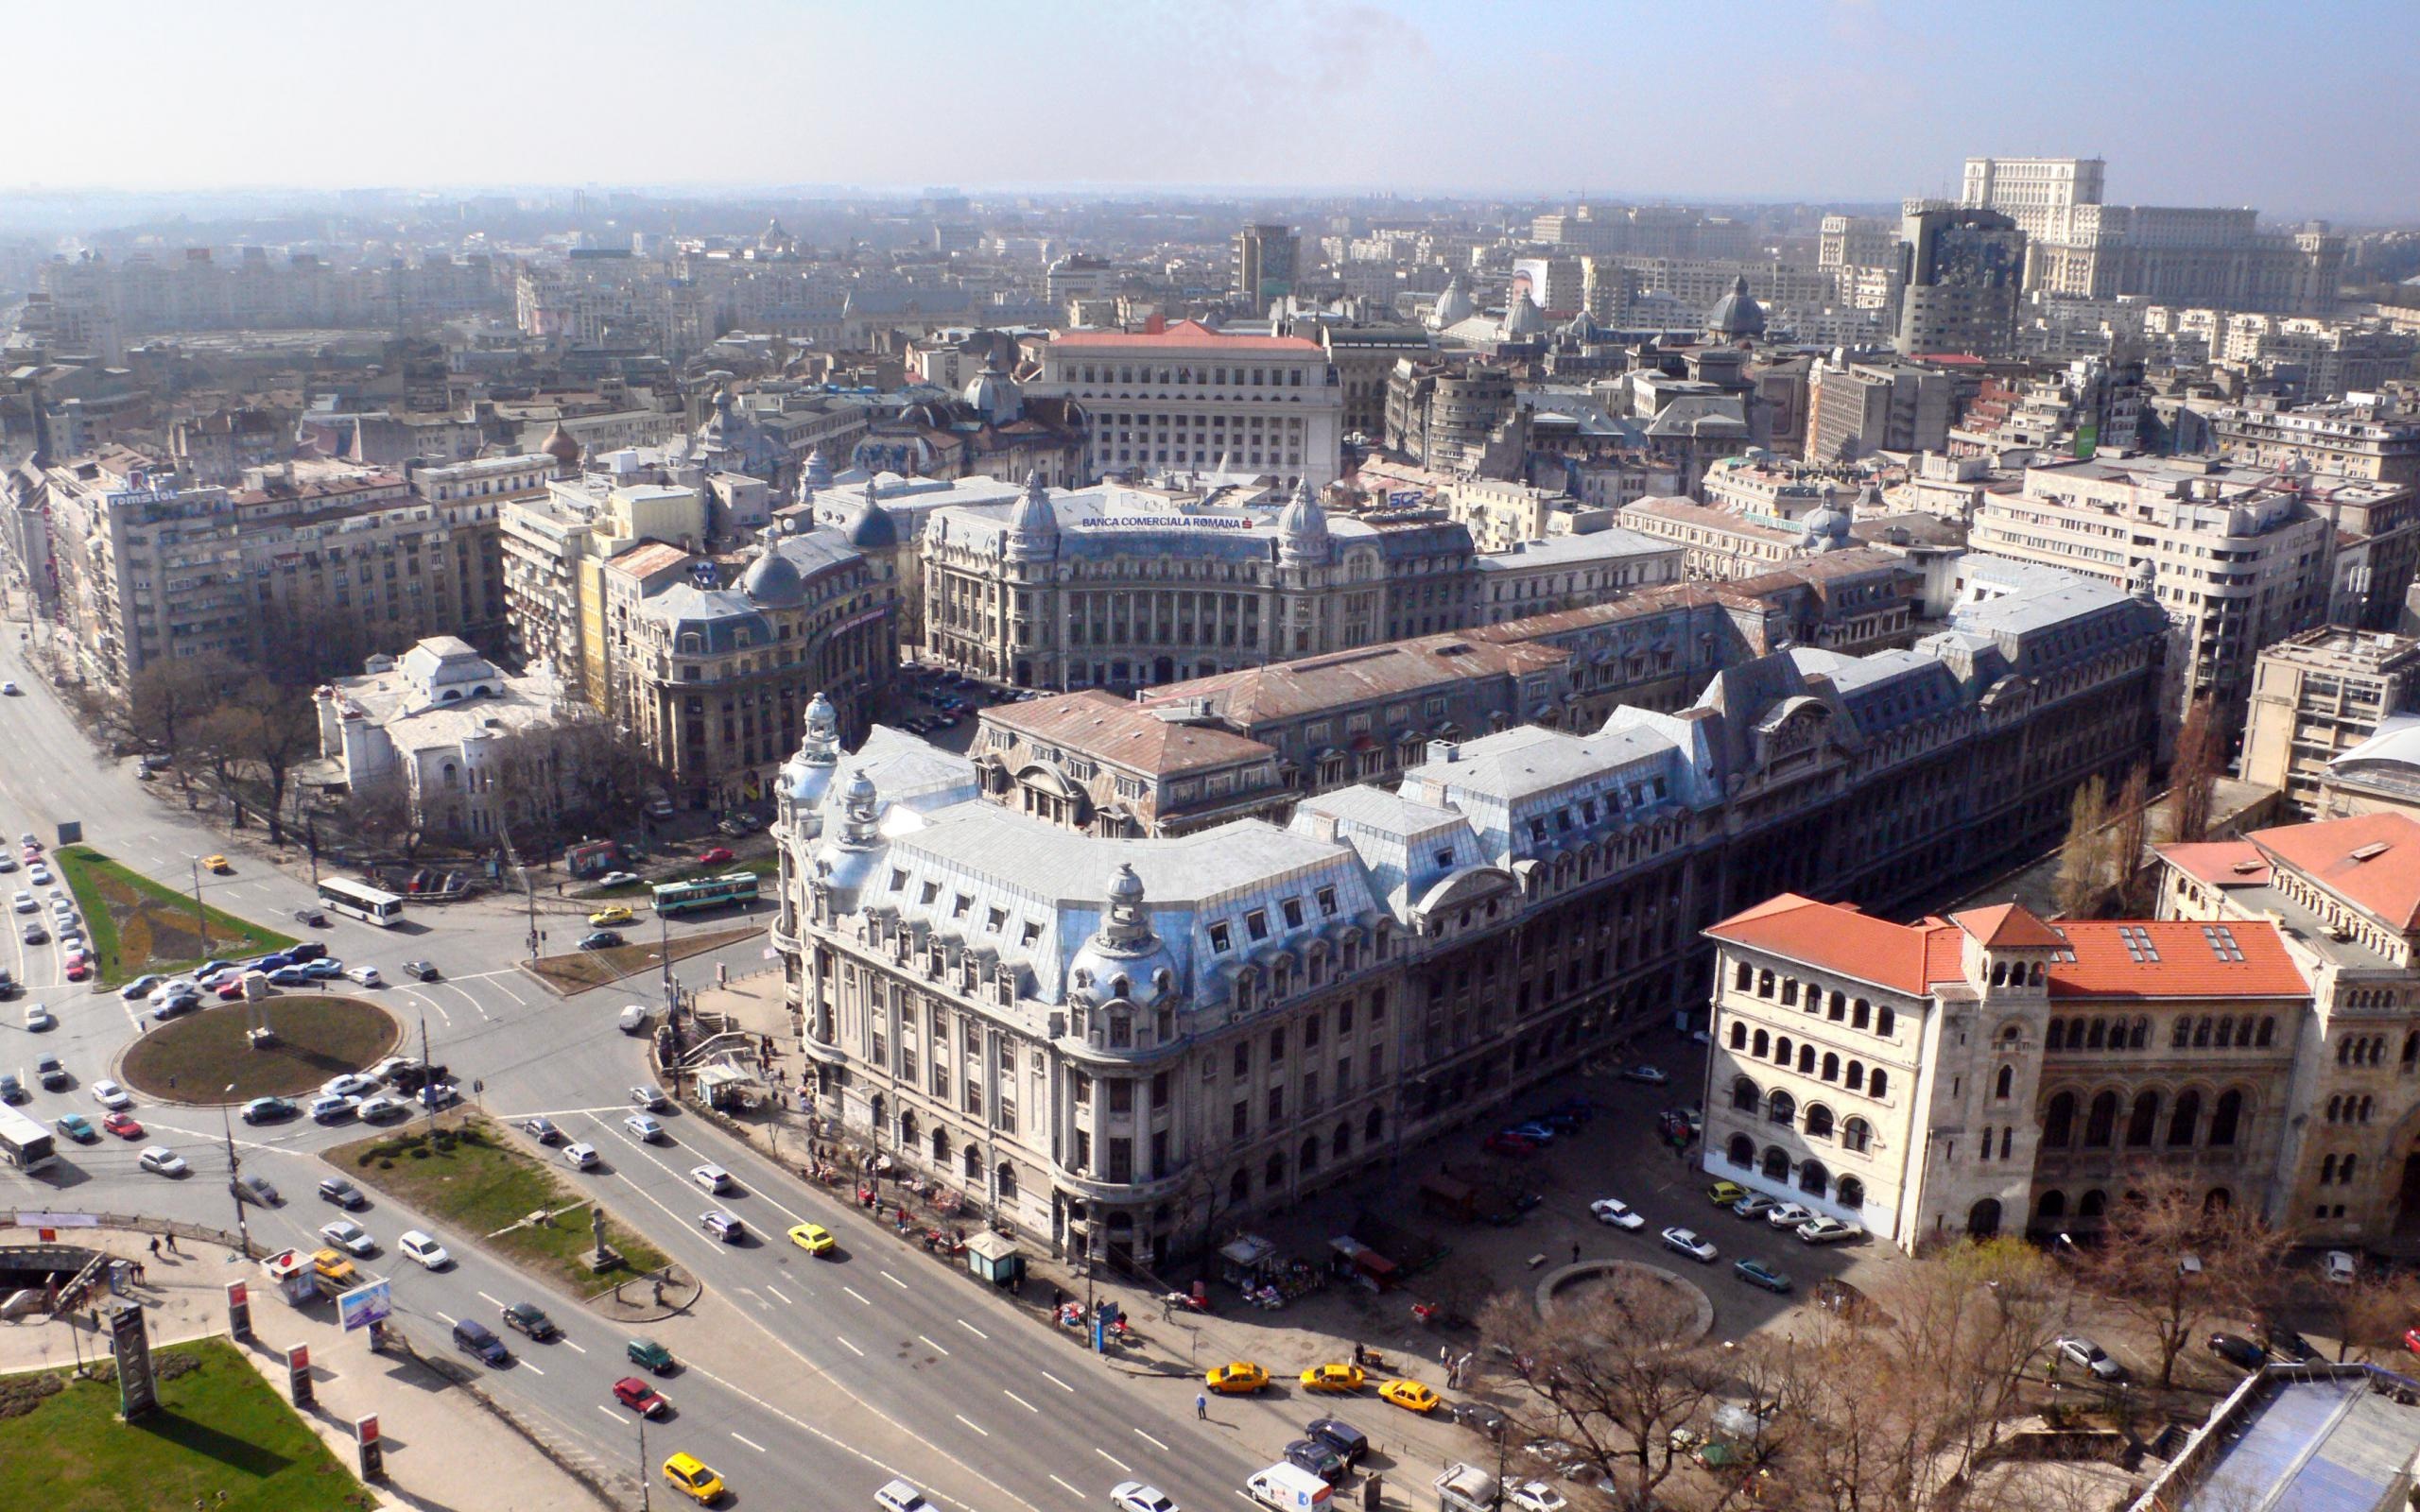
[807,776]
[870,526]
[1452,306]
[1033,525]
[1523,319]
[1302,529]
[560,445]
[1125,962]
[1825,528]
[772,581]
[994,395]
[1737,315]
[817,472]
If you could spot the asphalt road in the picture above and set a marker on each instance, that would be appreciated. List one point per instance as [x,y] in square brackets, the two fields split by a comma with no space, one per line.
[841,1372]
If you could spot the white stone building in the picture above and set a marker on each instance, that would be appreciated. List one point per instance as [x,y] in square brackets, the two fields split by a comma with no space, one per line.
[433,718]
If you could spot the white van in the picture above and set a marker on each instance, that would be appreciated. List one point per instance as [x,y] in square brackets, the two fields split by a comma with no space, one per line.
[634,1019]
[1289,1488]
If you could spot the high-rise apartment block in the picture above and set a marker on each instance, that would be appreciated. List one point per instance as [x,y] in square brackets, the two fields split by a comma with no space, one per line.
[2317,697]
[1266,264]
[1962,270]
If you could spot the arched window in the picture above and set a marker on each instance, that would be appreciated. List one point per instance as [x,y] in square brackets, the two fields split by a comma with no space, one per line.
[2187,1117]
[2059,1122]
[1984,1218]
[1006,1179]
[2140,1035]
[2229,1114]
[1813,1179]
[1339,1144]
[2005,1083]
[1855,1081]
[1855,1135]
[2101,1124]
[1763,1046]
[2095,1203]
[2202,1033]
[1831,1067]
[1860,1013]
[1781,1108]
[1308,1161]
[1886,1022]
[1372,1125]
[1781,1051]
[1776,1163]
[1738,1035]
[2097,1036]
[2143,1122]
[2182,1035]
[1274,1177]
[1744,1095]
[1850,1194]
[2326,1169]
[1878,1084]
[2049,1206]
[1807,1060]
[940,1147]
[2216,1200]
[2055,1038]
[1839,1008]
[909,1129]
[1819,1121]
[972,1164]
[1743,978]
[1742,1151]
[2345,1172]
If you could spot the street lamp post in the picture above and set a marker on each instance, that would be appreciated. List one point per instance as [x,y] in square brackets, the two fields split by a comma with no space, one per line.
[201,919]
[234,1170]
[643,1492]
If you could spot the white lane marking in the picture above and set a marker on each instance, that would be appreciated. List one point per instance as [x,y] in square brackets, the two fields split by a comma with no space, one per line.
[894,1280]
[972,1329]
[1019,1400]
[853,1291]
[467,998]
[777,1292]
[972,1423]
[608,1411]
[1079,1495]
[1148,1439]
[750,1442]
[818,1434]
[1055,1382]
[573,1347]
[929,1339]
[531,1368]
[1113,1459]
[490,1300]
[851,1348]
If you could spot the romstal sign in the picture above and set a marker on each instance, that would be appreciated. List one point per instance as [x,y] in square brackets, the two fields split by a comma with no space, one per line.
[371,1302]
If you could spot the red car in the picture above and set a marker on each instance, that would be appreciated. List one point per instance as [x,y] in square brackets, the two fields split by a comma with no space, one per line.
[640,1397]
[1504,1141]
[123,1126]
[715,856]
[230,989]
[78,970]
[2411,1340]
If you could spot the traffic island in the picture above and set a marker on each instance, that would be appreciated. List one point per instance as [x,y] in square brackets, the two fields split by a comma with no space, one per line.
[138,926]
[466,1174]
[583,969]
[220,1438]
[1679,1305]
[313,1036]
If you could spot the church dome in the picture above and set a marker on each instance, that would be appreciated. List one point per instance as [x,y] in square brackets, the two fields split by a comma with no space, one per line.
[773,580]
[1452,306]
[1825,528]
[1033,517]
[1736,314]
[1301,526]
[560,445]
[994,396]
[1523,318]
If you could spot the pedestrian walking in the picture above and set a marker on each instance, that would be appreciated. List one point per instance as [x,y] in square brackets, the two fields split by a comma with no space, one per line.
[1574,1251]
[155,1247]
[1443,1352]
[172,1245]
[1200,1406]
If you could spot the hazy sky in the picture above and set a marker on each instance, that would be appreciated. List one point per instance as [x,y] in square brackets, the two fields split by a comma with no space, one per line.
[2293,108]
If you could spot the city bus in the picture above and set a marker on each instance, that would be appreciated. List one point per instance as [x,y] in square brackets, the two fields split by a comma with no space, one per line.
[362,902]
[24,1143]
[705,892]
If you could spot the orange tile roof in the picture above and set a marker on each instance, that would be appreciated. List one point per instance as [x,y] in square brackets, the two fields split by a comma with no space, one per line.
[2007,925]
[1124,733]
[1902,958]
[2175,958]
[2220,863]
[2370,860]
[1183,334]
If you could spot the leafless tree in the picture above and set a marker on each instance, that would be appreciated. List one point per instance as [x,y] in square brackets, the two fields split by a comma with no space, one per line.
[2130,829]
[379,809]
[2193,777]
[2171,1262]
[2082,858]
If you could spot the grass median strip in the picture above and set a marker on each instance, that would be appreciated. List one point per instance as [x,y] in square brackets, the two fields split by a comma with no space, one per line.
[222,1439]
[137,925]
[468,1177]
[583,969]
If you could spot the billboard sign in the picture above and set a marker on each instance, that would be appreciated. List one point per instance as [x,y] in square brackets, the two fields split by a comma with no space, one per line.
[371,1302]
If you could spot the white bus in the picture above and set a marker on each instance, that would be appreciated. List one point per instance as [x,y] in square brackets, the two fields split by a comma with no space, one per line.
[24,1143]
[362,902]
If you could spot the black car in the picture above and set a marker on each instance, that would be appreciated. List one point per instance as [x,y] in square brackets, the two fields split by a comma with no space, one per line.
[421,971]
[599,940]
[2286,1344]
[1480,1418]
[312,917]
[473,1337]
[1349,1442]
[1313,1454]
[2238,1350]
[309,950]
[531,1319]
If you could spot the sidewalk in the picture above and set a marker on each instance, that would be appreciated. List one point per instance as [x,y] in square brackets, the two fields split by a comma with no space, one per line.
[446,1449]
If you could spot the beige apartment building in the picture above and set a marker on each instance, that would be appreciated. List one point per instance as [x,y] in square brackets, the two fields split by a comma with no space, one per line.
[2321,701]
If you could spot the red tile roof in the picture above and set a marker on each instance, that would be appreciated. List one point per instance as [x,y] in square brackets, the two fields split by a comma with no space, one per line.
[2370,860]
[1184,333]
[1124,733]
[1901,957]
[2220,863]
[2175,958]
[2007,926]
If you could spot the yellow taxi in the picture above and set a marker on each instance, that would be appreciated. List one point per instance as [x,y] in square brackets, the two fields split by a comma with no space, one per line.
[812,1238]
[215,864]
[1238,1378]
[1333,1378]
[613,914]
[692,1478]
[1410,1395]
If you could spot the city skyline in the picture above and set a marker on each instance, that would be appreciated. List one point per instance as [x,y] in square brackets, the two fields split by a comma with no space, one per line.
[1838,104]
